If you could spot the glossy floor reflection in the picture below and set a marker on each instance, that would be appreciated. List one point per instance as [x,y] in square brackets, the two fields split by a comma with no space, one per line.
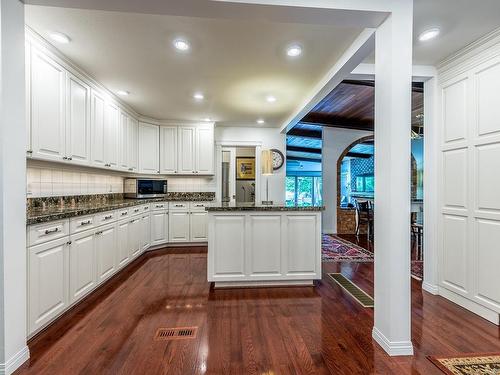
[245,331]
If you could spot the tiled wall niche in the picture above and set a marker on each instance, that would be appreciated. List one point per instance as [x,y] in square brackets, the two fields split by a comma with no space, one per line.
[51,179]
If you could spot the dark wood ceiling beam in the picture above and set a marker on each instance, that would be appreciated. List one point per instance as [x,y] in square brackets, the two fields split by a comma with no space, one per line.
[315,134]
[304,149]
[337,121]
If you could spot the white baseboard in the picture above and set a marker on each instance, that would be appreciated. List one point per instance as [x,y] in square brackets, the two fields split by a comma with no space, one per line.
[13,363]
[430,288]
[394,348]
[470,305]
[254,284]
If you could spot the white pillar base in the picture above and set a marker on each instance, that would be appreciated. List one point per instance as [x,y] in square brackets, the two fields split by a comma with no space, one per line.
[430,288]
[395,348]
[12,364]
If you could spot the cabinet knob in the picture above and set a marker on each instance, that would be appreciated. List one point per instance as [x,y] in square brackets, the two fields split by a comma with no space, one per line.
[65,158]
[70,158]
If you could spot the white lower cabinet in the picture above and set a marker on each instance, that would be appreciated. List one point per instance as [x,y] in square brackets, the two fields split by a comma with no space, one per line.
[134,237]
[198,226]
[178,226]
[146,232]
[48,282]
[82,265]
[105,243]
[122,239]
[159,227]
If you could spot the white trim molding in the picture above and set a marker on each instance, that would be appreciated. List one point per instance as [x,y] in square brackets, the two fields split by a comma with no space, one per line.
[394,348]
[430,288]
[13,363]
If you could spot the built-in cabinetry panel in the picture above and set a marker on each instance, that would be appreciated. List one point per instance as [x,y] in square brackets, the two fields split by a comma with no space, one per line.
[149,152]
[82,264]
[77,120]
[168,150]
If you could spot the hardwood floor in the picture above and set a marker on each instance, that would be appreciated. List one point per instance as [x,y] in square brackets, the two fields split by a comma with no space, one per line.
[305,330]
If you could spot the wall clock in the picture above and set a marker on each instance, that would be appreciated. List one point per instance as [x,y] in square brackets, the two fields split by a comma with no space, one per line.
[278,159]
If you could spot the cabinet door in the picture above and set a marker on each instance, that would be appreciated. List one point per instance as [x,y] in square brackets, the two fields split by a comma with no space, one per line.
[186,139]
[111,141]
[122,243]
[178,226]
[123,143]
[204,150]
[105,244]
[133,144]
[198,226]
[134,238]
[146,232]
[168,150]
[27,78]
[77,121]
[48,282]
[159,227]
[149,140]
[82,265]
[97,145]
[48,81]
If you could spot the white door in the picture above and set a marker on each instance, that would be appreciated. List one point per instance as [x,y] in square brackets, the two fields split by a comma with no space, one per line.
[168,149]
[198,226]
[146,232]
[111,126]
[97,144]
[178,226]
[124,139]
[48,80]
[105,243]
[204,150]
[185,144]
[82,265]
[77,121]
[135,238]
[228,174]
[122,243]
[133,144]
[48,282]
[159,227]
[149,156]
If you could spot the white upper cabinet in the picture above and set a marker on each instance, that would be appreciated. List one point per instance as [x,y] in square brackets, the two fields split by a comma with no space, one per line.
[97,145]
[47,87]
[124,139]
[204,150]
[133,144]
[186,145]
[111,141]
[77,120]
[168,149]
[149,158]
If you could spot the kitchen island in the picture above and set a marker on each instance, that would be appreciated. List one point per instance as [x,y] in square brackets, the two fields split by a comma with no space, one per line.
[253,245]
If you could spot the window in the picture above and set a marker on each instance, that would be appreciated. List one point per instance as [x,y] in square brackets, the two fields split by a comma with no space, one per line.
[304,191]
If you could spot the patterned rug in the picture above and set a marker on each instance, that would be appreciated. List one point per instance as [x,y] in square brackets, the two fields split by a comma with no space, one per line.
[417,269]
[336,249]
[468,364]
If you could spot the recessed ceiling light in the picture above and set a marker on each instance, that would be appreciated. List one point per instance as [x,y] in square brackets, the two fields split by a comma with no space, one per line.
[294,50]
[122,92]
[59,37]
[260,121]
[270,99]
[429,34]
[181,44]
[198,96]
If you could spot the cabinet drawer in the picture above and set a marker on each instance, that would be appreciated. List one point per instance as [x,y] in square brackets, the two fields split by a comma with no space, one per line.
[146,208]
[199,206]
[81,223]
[44,232]
[159,206]
[122,214]
[135,210]
[106,217]
[178,206]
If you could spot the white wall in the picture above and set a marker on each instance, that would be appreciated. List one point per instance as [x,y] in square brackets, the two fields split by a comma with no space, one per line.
[13,349]
[335,142]
[270,138]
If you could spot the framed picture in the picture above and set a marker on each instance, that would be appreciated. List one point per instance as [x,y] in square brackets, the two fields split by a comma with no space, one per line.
[245,168]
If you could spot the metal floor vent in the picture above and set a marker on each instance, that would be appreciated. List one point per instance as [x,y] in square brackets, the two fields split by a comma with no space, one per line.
[355,291]
[176,333]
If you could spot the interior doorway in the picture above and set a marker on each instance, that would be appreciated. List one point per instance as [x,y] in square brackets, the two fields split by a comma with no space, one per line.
[238,174]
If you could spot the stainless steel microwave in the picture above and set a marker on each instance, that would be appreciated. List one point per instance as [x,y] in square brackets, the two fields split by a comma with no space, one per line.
[144,188]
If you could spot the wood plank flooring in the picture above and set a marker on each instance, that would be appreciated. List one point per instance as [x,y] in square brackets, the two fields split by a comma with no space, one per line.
[307,330]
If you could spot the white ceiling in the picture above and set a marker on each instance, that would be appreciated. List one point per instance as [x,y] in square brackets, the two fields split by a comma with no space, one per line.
[235,63]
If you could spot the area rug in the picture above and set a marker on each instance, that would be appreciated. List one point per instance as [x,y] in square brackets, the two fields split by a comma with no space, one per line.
[417,269]
[336,249]
[468,364]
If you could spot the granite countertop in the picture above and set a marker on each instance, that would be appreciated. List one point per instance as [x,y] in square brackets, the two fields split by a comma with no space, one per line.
[37,215]
[221,206]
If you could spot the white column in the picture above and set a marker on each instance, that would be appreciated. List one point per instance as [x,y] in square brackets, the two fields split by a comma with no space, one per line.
[393,71]
[13,349]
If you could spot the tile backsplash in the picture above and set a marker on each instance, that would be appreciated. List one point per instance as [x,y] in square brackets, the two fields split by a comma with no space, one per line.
[55,180]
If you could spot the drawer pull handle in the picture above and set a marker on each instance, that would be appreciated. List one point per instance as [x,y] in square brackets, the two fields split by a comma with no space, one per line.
[68,243]
[86,222]
[108,217]
[49,231]
[159,206]
[179,205]
[97,233]
[136,210]
[124,213]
